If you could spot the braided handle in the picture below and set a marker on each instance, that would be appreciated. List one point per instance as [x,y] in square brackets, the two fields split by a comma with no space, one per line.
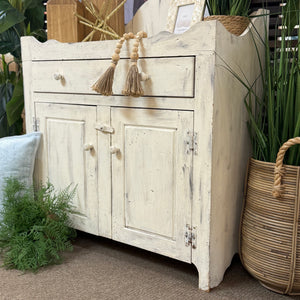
[279,165]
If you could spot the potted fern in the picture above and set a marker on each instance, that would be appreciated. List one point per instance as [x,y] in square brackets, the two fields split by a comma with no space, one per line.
[270,236]
[35,225]
[233,14]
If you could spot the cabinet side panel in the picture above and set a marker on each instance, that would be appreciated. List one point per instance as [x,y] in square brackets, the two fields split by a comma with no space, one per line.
[201,205]
[26,50]
[27,82]
[231,144]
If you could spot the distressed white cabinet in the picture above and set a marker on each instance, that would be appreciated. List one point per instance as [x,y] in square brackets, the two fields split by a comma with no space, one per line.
[67,136]
[163,172]
[151,201]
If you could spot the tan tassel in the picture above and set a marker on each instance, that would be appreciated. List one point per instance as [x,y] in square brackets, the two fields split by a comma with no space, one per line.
[104,84]
[133,85]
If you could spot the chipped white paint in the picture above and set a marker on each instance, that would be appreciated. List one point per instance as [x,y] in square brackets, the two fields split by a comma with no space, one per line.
[150,179]
[68,155]
[165,73]
[146,193]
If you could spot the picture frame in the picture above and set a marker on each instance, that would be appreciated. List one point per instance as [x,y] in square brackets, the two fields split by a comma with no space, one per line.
[182,14]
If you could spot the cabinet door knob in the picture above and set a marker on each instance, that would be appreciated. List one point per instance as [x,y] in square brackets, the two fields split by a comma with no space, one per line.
[58,76]
[114,150]
[144,76]
[88,147]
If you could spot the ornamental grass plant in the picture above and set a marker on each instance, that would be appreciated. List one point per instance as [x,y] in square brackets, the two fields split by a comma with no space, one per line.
[274,114]
[228,7]
[35,225]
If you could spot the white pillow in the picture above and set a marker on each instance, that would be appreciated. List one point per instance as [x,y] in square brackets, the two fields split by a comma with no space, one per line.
[17,156]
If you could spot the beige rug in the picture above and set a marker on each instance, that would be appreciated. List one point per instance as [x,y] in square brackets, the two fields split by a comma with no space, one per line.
[102,269]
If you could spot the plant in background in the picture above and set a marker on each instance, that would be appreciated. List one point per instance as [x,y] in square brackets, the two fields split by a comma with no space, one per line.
[17,18]
[8,80]
[35,225]
[274,116]
[228,7]
[269,223]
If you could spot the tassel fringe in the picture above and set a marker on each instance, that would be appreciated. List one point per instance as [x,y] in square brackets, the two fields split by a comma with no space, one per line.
[133,85]
[104,84]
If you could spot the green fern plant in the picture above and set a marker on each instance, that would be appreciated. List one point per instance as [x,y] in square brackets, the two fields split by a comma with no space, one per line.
[34,225]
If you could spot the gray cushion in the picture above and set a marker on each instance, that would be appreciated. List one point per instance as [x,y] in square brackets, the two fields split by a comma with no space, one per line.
[17,156]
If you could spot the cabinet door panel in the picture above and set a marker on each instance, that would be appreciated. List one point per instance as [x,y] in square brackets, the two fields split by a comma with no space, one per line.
[63,159]
[149,175]
[150,178]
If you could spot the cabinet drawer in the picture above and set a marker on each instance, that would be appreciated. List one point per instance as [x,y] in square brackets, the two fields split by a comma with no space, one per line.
[169,76]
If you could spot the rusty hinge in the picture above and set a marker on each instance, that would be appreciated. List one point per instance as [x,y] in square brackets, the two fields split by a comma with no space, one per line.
[35,124]
[190,236]
[192,142]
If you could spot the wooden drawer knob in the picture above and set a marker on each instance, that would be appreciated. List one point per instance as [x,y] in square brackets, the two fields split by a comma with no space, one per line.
[114,150]
[144,76]
[88,147]
[58,76]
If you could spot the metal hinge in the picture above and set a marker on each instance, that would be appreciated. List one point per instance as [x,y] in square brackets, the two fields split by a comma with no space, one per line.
[35,124]
[190,236]
[192,142]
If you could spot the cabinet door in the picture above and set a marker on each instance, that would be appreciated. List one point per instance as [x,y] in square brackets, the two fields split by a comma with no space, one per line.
[68,155]
[151,176]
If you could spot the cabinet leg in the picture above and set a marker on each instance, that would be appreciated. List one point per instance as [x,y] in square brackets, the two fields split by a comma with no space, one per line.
[203,278]
[209,278]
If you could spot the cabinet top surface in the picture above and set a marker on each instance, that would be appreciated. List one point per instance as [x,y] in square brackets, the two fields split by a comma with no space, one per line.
[200,38]
[182,68]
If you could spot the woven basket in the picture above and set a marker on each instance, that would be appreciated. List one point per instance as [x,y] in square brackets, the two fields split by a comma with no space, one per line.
[234,24]
[270,230]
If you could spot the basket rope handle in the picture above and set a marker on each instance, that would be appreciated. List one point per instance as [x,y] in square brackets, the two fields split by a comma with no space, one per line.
[278,172]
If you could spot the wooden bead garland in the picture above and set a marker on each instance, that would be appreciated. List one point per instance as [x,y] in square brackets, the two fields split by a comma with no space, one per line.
[133,80]
[104,84]
[133,85]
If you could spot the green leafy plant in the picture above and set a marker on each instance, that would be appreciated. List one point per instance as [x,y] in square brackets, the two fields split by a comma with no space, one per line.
[35,225]
[8,80]
[17,18]
[228,7]
[274,116]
